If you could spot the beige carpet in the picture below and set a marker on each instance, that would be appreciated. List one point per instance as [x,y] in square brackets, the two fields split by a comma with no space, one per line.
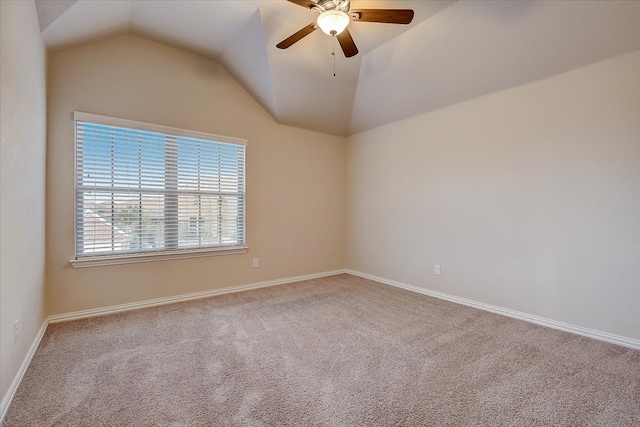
[339,351]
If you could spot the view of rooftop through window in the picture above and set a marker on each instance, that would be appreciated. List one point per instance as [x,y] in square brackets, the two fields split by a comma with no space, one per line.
[143,191]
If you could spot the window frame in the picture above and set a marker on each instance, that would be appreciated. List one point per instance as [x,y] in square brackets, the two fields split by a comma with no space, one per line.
[165,254]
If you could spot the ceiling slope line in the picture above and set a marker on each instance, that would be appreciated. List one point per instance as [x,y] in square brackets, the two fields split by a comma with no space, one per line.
[247,60]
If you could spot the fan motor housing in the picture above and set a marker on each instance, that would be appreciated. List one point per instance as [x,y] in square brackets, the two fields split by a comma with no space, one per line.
[342,5]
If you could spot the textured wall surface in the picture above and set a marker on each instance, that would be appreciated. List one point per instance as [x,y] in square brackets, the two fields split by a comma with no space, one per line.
[295,178]
[22,182]
[528,198]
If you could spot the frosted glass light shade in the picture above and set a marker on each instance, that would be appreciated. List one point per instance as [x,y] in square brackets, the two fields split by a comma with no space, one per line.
[333,22]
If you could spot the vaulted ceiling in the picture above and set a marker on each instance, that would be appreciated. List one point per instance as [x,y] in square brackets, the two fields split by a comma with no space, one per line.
[452,51]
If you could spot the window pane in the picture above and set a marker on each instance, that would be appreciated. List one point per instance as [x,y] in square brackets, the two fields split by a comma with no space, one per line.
[209,220]
[143,191]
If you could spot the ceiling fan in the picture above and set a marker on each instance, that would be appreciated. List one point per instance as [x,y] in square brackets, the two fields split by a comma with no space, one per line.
[334,17]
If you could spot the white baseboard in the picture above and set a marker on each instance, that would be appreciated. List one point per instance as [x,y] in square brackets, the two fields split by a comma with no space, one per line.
[8,397]
[567,327]
[102,311]
[602,336]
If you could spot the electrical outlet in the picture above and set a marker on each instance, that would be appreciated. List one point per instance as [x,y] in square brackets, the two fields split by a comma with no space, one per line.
[256,262]
[436,270]
[16,330]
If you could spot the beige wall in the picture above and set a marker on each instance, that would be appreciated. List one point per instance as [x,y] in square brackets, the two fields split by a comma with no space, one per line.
[295,178]
[22,169]
[528,198]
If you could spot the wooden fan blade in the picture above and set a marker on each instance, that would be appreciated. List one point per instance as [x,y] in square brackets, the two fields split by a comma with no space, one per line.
[297,36]
[347,44]
[386,16]
[304,3]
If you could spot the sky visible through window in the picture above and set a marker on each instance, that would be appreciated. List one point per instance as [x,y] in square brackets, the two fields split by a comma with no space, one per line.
[135,159]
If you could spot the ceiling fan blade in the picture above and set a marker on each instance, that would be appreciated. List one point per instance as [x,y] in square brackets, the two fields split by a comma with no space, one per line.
[347,44]
[386,16]
[297,36]
[304,3]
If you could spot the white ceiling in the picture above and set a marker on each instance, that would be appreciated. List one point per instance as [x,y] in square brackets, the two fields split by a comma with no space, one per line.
[451,52]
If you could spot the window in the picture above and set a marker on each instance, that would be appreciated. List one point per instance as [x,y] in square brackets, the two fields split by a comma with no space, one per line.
[147,189]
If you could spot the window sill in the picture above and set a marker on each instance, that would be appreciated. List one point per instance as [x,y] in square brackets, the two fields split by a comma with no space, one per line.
[99,261]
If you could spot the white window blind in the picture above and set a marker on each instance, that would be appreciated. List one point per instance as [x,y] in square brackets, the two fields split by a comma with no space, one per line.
[143,188]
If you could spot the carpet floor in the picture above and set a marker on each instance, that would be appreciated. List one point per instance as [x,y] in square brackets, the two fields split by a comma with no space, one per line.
[337,351]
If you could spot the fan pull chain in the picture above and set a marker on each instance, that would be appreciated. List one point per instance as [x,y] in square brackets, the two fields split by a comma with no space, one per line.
[334,56]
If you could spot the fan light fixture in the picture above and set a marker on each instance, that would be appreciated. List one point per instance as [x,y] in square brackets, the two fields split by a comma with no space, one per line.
[333,22]
[336,15]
